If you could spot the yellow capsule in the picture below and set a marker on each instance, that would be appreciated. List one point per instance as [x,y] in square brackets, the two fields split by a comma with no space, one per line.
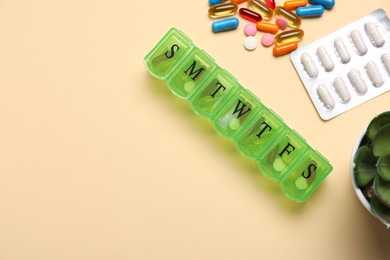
[294,35]
[222,10]
[292,19]
[262,8]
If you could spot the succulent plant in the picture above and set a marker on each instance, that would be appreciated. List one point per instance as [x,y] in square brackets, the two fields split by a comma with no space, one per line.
[371,168]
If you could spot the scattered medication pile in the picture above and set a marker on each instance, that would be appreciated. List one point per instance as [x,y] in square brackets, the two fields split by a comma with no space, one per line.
[347,67]
[269,19]
[258,133]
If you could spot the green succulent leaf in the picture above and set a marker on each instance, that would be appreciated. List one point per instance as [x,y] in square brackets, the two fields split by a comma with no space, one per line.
[382,190]
[381,141]
[377,123]
[383,166]
[380,210]
[364,169]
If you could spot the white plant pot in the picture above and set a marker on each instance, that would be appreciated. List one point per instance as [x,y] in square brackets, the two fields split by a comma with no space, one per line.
[358,190]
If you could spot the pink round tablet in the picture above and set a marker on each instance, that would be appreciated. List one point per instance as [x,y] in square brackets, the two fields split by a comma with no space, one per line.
[250,29]
[267,39]
[282,23]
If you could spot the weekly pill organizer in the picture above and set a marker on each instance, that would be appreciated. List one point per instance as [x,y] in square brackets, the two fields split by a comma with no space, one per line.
[258,133]
[347,67]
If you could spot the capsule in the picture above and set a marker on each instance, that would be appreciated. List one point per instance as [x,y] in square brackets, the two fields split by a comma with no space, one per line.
[342,50]
[357,81]
[225,24]
[325,59]
[270,3]
[267,27]
[294,35]
[250,15]
[358,41]
[328,4]
[374,35]
[215,2]
[262,8]
[342,90]
[310,11]
[386,61]
[373,74]
[294,4]
[238,1]
[283,49]
[308,65]
[292,19]
[222,10]
[325,96]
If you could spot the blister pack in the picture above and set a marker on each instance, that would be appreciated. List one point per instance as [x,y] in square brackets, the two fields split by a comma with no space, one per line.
[347,67]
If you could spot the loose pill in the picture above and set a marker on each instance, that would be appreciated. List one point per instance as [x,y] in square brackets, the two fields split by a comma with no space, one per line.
[225,24]
[310,11]
[267,27]
[250,43]
[325,96]
[374,35]
[250,29]
[238,1]
[358,41]
[386,61]
[250,15]
[308,65]
[282,23]
[373,74]
[328,4]
[325,59]
[283,49]
[342,50]
[222,10]
[294,4]
[342,90]
[292,19]
[267,39]
[270,3]
[262,8]
[294,35]
[357,81]
[214,2]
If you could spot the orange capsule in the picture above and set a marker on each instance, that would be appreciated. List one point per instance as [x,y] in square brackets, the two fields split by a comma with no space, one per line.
[267,27]
[238,1]
[283,49]
[294,4]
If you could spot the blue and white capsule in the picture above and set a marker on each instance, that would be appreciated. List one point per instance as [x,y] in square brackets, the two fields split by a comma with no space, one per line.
[328,4]
[225,24]
[310,11]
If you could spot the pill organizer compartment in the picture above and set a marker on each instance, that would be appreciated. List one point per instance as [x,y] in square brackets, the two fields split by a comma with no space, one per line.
[347,67]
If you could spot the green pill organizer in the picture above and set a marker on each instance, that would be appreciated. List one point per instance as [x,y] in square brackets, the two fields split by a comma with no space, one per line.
[258,133]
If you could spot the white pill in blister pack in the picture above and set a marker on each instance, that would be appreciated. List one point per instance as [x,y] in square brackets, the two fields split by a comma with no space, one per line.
[342,51]
[346,67]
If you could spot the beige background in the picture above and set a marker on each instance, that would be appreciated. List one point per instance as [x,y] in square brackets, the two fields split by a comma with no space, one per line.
[98,160]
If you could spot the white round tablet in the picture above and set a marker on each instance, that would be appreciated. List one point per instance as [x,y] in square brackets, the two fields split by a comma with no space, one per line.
[250,43]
